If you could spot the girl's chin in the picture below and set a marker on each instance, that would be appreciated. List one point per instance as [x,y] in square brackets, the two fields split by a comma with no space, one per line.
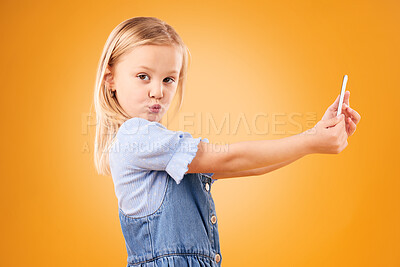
[154,117]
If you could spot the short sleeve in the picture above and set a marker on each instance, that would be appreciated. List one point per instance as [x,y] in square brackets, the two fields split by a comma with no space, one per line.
[148,145]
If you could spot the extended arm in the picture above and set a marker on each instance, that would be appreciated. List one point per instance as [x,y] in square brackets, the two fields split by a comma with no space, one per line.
[249,155]
[253,172]
[258,157]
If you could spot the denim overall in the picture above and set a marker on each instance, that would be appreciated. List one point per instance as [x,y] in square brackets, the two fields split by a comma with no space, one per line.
[183,231]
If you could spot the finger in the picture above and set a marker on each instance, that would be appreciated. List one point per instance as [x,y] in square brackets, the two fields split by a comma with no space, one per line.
[352,126]
[347,98]
[348,128]
[351,113]
[354,115]
[342,122]
[341,129]
[346,110]
[347,124]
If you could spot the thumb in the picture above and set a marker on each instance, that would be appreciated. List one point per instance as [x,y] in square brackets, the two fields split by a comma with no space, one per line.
[333,121]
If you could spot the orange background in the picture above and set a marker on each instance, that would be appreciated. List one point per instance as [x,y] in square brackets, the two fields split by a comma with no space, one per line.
[249,57]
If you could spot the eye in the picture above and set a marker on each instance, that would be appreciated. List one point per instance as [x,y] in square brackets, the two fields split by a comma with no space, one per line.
[140,75]
[170,79]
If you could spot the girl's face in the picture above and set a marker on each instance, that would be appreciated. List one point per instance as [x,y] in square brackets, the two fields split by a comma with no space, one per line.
[147,75]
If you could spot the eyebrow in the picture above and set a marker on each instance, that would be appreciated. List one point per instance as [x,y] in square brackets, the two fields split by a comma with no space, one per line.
[144,67]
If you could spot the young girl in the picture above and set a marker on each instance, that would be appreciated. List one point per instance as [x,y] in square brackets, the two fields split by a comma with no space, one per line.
[163,178]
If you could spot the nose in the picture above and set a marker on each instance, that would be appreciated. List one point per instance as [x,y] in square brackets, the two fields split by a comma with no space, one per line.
[156,91]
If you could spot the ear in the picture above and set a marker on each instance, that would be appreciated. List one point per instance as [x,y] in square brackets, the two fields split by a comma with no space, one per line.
[108,77]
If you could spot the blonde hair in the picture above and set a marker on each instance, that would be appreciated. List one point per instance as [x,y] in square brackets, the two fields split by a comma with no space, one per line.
[110,116]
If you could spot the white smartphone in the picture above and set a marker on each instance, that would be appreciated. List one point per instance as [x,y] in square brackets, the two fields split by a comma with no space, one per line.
[339,110]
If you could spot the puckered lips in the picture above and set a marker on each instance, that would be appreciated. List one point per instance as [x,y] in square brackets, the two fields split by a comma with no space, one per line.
[155,108]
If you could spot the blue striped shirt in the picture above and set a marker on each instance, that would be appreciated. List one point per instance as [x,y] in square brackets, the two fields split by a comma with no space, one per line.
[141,157]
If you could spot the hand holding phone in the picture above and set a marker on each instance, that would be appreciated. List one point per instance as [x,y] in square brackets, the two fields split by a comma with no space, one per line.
[344,83]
